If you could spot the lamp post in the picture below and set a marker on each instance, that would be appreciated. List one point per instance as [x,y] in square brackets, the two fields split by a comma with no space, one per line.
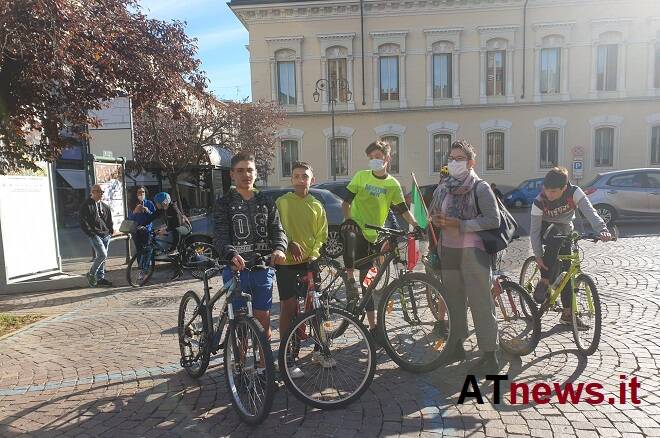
[332,88]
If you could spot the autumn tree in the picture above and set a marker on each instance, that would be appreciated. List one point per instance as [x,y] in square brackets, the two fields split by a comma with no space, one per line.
[59,59]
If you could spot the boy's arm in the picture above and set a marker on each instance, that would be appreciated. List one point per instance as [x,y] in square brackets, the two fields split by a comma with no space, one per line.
[351,190]
[276,233]
[222,240]
[588,210]
[321,233]
[399,206]
[535,230]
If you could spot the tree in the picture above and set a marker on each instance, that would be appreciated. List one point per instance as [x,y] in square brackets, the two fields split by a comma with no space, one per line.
[59,59]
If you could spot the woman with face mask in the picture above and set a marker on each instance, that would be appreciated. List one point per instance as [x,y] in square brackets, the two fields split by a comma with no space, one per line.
[139,211]
[462,205]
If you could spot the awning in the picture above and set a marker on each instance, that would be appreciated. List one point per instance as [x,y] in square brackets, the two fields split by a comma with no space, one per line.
[219,156]
[74,177]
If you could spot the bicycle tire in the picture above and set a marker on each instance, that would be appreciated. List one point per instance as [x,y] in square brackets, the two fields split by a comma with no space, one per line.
[364,365]
[435,309]
[597,327]
[333,281]
[529,278]
[247,330]
[135,275]
[402,288]
[185,334]
[519,321]
[193,250]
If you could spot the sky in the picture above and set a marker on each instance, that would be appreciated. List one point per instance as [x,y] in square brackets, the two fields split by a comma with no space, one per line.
[221,41]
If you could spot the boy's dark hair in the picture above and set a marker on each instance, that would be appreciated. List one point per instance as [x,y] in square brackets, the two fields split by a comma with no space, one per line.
[379,145]
[241,156]
[556,178]
[466,147]
[302,165]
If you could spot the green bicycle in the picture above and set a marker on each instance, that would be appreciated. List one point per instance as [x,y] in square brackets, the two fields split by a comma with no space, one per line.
[585,300]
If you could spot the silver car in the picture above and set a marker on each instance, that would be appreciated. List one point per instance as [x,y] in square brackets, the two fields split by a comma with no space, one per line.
[626,194]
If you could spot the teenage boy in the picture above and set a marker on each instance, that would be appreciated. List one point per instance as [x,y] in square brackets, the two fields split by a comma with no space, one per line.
[306,226]
[371,193]
[246,229]
[553,212]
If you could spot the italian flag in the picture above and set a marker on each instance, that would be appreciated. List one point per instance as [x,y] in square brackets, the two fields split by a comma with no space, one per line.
[418,208]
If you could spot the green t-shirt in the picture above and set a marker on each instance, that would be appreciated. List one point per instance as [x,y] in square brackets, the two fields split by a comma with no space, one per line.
[304,222]
[372,201]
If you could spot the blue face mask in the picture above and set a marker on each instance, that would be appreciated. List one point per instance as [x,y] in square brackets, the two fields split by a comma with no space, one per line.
[376,165]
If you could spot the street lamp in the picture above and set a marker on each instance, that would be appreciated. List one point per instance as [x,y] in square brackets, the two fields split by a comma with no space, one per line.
[332,87]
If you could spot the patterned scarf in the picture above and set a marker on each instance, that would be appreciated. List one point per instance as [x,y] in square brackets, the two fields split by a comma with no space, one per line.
[461,202]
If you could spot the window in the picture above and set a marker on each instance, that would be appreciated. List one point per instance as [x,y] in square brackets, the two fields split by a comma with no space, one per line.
[653,180]
[393,141]
[627,180]
[337,74]
[286,82]
[550,70]
[657,66]
[289,154]
[389,78]
[549,148]
[604,150]
[655,145]
[495,151]
[495,72]
[339,157]
[442,86]
[441,146]
[606,67]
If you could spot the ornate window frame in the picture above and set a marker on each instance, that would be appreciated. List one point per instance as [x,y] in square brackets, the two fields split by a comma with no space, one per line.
[340,132]
[275,45]
[550,123]
[328,42]
[283,135]
[497,38]
[610,31]
[379,39]
[495,125]
[442,127]
[605,121]
[653,43]
[443,40]
[394,130]
[549,36]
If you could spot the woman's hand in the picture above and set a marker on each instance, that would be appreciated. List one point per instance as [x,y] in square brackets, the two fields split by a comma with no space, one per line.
[442,221]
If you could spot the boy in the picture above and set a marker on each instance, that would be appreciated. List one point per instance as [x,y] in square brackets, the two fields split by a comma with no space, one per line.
[553,212]
[370,195]
[247,228]
[306,226]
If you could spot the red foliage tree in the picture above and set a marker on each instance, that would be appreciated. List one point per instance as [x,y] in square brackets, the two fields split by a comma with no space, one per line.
[59,59]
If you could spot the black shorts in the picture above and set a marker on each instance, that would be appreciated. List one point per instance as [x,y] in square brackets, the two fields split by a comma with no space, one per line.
[288,285]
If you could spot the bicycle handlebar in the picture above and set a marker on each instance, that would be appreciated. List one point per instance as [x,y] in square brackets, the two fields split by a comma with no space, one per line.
[388,231]
[575,236]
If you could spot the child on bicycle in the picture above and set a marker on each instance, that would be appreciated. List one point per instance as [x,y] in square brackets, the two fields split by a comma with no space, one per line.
[553,212]
[247,228]
[306,226]
[370,194]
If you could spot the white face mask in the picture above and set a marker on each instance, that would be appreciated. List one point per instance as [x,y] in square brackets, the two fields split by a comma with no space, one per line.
[376,165]
[140,198]
[457,169]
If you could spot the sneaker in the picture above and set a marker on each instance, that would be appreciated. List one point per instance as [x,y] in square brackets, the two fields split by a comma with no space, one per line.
[294,370]
[104,282]
[325,362]
[487,364]
[568,320]
[91,280]
[540,292]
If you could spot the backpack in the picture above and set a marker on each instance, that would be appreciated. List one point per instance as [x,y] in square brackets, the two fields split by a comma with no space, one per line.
[497,239]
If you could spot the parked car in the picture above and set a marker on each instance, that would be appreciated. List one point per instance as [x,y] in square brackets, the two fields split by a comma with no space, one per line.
[626,194]
[336,187]
[524,194]
[332,204]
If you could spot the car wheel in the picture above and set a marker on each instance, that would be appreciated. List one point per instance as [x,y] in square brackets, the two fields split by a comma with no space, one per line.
[334,246]
[518,204]
[606,212]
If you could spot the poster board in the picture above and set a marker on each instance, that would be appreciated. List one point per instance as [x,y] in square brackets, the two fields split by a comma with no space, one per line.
[111,178]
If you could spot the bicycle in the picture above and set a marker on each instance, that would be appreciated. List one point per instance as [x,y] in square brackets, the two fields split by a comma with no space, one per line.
[405,324]
[142,266]
[585,300]
[340,366]
[248,358]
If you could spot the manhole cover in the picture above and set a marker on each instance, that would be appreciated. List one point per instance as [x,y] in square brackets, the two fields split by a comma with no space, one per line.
[154,301]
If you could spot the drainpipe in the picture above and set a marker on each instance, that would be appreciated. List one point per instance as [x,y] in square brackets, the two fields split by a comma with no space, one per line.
[364,97]
[522,96]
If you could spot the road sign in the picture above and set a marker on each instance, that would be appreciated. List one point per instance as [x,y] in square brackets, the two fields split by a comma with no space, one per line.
[578,168]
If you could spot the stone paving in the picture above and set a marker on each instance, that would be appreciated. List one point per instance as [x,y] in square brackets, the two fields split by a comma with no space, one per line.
[105,363]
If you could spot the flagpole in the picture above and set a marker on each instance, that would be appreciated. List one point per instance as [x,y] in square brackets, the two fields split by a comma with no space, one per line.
[433,236]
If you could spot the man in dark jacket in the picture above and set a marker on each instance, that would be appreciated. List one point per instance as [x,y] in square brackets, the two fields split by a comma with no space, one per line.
[247,228]
[96,223]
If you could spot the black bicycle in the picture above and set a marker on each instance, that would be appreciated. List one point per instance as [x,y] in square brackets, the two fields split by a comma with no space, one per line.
[248,358]
[337,368]
[142,267]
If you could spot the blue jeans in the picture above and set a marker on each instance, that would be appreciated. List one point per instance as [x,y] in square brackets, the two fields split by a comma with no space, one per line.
[100,245]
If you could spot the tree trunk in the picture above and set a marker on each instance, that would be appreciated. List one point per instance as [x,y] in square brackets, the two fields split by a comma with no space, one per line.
[174,191]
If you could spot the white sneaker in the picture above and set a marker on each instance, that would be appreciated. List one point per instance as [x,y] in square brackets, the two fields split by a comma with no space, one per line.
[325,362]
[296,373]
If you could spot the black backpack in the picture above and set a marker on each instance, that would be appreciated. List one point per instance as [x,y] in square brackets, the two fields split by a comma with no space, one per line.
[497,239]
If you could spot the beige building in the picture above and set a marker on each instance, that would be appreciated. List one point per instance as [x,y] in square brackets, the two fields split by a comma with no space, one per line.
[530,83]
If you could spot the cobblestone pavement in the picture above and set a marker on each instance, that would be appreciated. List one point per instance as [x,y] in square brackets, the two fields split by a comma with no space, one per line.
[105,363]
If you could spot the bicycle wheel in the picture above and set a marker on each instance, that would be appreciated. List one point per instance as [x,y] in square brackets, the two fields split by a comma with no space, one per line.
[140,268]
[438,310]
[408,325]
[337,369]
[586,315]
[518,322]
[529,276]
[249,371]
[193,335]
[333,281]
[193,252]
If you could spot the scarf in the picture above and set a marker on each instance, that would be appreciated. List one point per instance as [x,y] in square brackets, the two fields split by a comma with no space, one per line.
[461,201]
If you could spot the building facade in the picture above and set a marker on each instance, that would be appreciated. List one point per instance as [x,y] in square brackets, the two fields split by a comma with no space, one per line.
[531,84]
